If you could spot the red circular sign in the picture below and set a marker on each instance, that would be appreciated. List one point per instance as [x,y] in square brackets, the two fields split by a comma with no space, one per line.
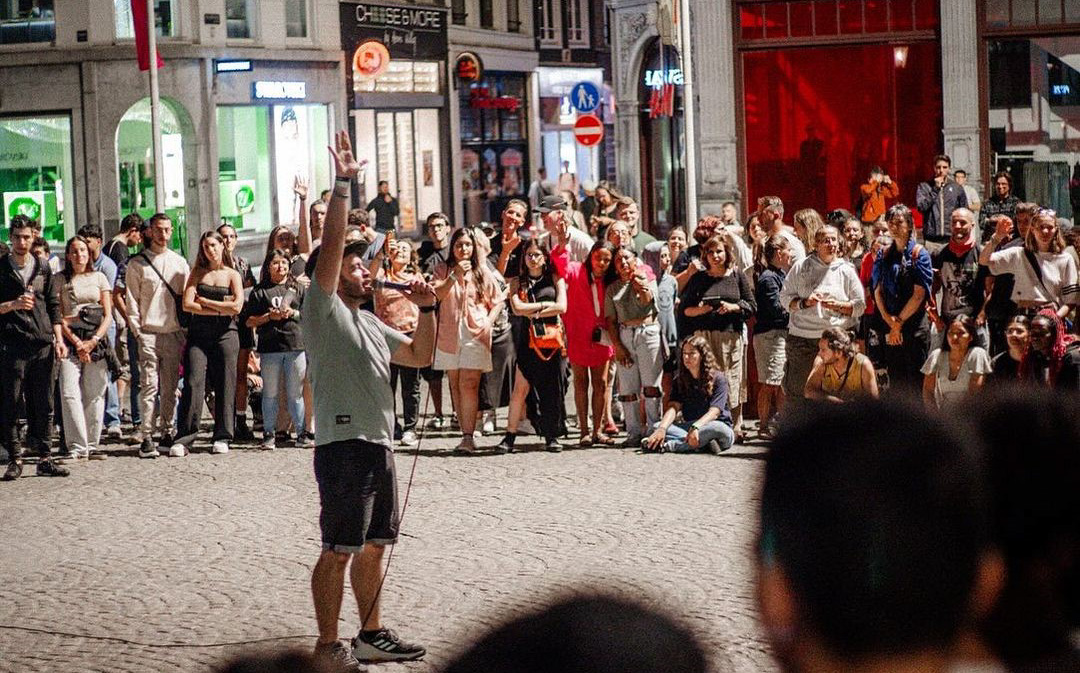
[371,58]
[589,130]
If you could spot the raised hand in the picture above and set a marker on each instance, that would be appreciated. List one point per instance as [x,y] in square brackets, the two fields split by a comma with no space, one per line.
[300,188]
[345,164]
[1004,228]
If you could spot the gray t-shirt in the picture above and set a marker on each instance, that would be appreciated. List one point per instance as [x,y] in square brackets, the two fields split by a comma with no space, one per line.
[26,270]
[348,355]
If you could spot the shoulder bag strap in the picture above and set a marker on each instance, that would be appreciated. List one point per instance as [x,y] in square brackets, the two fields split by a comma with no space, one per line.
[168,287]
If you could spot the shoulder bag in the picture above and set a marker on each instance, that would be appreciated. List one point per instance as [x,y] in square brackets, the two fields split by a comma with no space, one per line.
[182,316]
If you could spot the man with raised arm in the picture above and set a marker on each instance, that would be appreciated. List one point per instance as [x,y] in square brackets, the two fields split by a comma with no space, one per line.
[349,354]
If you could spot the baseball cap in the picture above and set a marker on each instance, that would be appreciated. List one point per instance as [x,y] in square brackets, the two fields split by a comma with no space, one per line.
[550,203]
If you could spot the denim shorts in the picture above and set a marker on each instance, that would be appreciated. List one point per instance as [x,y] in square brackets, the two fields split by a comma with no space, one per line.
[357,495]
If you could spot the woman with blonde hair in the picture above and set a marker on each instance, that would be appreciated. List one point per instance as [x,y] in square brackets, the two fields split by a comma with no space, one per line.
[807,222]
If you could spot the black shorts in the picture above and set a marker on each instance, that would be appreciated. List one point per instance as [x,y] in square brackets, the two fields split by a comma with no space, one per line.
[357,495]
[430,375]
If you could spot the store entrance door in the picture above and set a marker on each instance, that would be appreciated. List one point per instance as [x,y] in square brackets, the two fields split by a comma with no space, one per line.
[402,147]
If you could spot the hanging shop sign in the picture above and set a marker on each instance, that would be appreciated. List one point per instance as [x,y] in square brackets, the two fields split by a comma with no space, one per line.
[408,32]
[370,59]
[468,68]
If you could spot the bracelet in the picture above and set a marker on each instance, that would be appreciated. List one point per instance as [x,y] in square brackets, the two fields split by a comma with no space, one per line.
[427,309]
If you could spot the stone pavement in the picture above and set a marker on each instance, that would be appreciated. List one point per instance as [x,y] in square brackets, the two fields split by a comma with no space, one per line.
[177,564]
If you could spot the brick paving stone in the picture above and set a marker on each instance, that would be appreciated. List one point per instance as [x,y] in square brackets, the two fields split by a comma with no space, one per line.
[179,564]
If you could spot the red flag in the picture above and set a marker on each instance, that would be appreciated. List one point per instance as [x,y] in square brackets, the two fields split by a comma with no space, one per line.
[142,39]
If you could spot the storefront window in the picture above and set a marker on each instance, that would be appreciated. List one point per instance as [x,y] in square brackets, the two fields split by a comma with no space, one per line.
[296,18]
[1034,95]
[663,140]
[36,177]
[244,167]
[822,18]
[27,21]
[239,17]
[301,135]
[261,151]
[811,137]
[404,150]
[402,77]
[164,18]
[494,157]
[135,165]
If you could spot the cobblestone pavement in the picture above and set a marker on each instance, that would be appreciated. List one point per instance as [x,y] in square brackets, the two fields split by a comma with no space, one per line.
[178,564]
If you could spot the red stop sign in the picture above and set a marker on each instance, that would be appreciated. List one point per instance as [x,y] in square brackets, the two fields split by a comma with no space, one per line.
[588,130]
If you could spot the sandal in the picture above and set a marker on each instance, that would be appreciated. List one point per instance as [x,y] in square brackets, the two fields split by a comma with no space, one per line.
[603,439]
[585,441]
[611,429]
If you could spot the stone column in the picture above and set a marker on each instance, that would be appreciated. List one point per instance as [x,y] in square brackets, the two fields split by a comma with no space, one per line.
[633,22]
[714,86]
[960,87]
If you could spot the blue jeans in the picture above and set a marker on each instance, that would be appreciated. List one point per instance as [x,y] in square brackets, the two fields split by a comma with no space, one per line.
[290,366]
[677,432]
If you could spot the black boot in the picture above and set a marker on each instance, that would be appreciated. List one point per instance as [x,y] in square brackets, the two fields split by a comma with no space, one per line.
[507,443]
[242,432]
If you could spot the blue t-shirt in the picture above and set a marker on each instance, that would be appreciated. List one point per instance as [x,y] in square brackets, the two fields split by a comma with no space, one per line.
[901,274]
[348,355]
[695,403]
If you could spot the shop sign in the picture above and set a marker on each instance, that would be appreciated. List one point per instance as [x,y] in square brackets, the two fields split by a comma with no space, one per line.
[232,66]
[655,79]
[481,98]
[468,67]
[237,197]
[273,90]
[30,204]
[588,130]
[585,97]
[408,32]
[370,59]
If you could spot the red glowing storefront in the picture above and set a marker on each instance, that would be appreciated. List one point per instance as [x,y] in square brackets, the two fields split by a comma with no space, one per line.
[809,130]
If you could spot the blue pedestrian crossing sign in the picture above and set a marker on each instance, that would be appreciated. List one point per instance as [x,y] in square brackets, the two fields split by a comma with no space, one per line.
[585,97]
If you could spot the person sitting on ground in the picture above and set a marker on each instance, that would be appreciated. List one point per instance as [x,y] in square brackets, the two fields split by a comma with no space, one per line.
[873,549]
[700,393]
[958,368]
[1005,366]
[1054,357]
[840,372]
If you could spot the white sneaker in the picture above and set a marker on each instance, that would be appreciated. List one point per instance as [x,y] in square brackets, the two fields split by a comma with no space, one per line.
[220,447]
[488,426]
[409,438]
[114,432]
[177,451]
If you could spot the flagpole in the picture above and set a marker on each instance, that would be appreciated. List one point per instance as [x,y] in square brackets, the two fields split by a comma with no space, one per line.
[690,140]
[155,104]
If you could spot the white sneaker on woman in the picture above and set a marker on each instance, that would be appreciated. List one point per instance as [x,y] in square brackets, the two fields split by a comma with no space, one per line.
[220,446]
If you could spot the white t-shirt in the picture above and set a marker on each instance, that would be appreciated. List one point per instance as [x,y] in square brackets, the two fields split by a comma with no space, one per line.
[1059,276]
[946,390]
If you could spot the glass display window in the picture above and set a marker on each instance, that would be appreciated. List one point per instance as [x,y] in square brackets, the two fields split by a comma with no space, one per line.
[402,77]
[36,176]
[811,138]
[165,18]
[24,21]
[403,148]
[261,151]
[1034,117]
[135,165]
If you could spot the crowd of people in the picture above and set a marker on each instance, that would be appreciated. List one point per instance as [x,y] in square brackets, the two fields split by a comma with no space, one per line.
[670,339]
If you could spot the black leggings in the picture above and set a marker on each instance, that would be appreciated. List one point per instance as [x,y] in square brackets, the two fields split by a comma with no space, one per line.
[546,382]
[210,354]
